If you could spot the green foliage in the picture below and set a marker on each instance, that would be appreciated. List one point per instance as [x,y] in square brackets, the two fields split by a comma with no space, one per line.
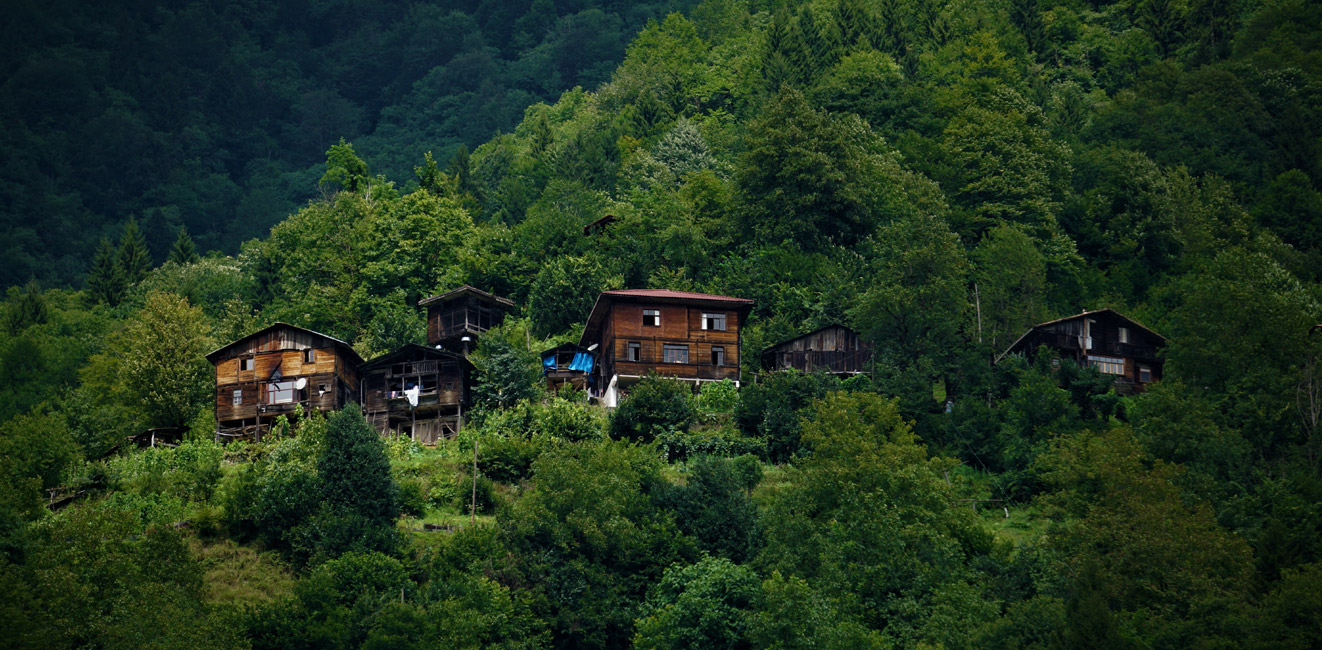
[160,354]
[714,508]
[590,540]
[704,605]
[508,370]
[360,498]
[134,258]
[771,409]
[563,292]
[868,517]
[183,251]
[106,282]
[653,407]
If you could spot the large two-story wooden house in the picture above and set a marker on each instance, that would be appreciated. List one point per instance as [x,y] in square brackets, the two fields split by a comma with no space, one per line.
[688,336]
[272,371]
[418,391]
[1103,339]
[456,318]
[834,349]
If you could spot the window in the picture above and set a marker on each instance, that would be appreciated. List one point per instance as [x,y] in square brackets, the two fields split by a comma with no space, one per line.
[652,317]
[714,322]
[675,353]
[1124,335]
[281,392]
[1107,365]
[635,351]
[1144,375]
[247,364]
[309,356]
[717,355]
[238,396]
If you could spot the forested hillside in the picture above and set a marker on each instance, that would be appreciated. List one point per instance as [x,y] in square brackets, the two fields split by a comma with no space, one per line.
[938,176]
[216,115]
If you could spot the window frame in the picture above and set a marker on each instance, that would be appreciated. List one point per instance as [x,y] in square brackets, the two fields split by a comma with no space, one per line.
[282,388]
[247,364]
[238,397]
[718,355]
[1123,335]
[709,319]
[653,315]
[633,351]
[679,352]
[1144,375]
[310,355]
[1107,365]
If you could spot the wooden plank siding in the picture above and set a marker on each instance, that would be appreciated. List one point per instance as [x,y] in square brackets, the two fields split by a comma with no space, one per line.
[833,349]
[331,375]
[617,320]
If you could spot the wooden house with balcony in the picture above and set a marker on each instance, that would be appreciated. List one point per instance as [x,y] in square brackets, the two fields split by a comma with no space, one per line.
[275,370]
[462,313]
[688,336]
[834,349]
[418,391]
[1103,339]
[568,364]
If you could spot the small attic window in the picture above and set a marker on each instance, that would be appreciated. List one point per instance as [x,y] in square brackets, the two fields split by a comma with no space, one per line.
[309,356]
[1124,335]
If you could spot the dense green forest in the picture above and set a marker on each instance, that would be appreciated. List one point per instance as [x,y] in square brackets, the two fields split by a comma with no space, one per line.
[216,115]
[936,175]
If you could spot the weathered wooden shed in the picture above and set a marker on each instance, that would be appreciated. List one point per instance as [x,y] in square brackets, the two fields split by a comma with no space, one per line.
[270,372]
[1104,339]
[463,312]
[568,364]
[418,391]
[680,334]
[834,349]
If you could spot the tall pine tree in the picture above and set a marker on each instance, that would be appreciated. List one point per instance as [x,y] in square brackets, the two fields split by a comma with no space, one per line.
[105,281]
[183,251]
[134,258]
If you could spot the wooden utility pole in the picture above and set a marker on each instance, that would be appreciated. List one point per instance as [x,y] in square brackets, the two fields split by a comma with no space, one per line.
[473,507]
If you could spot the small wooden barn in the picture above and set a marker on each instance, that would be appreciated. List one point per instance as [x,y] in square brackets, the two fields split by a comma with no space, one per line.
[680,334]
[568,364]
[418,391]
[462,313]
[834,349]
[271,372]
[1104,339]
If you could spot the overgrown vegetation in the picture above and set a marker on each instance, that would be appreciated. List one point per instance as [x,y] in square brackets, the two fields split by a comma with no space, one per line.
[937,176]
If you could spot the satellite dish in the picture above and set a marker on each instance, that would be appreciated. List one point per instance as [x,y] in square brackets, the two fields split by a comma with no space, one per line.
[301,383]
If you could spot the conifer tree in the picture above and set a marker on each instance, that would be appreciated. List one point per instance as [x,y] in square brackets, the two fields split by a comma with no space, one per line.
[134,258]
[105,282]
[183,251]
[26,309]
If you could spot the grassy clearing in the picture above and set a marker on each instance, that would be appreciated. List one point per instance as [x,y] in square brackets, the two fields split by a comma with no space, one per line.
[238,575]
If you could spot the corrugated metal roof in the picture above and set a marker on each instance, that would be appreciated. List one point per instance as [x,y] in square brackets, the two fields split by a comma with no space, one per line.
[676,295]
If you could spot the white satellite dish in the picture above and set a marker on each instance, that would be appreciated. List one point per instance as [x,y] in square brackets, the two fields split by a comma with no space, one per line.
[301,383]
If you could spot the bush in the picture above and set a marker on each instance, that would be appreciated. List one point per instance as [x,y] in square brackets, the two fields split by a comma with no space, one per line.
[507,460]
[717,398]
[654,406]
[486,494]
[681,445]
[772,409]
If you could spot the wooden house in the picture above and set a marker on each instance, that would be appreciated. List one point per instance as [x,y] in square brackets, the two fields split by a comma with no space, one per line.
[834,349]
[418,391]
[688,336]
[568,365]
[460,314]
[1103,339]
[272,371]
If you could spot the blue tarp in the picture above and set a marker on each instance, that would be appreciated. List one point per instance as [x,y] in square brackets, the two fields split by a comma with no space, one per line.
[548,361]
[582,362]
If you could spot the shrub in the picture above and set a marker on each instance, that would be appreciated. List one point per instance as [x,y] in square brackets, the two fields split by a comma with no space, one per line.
[681,445]
[654,406]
